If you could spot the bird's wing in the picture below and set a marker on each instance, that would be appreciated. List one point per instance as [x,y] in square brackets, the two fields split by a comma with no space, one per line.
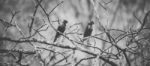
[88,31]
[61,29]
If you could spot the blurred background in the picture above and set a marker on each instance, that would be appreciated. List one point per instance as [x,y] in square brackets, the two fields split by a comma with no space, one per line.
[26,20]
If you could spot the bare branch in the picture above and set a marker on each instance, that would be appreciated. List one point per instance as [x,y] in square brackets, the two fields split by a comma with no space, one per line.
[83,60]
[34,14]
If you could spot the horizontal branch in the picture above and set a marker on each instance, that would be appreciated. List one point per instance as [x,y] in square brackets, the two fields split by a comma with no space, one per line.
[19,51]
[57,45]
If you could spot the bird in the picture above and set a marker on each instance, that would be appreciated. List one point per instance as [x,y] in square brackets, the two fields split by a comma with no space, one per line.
[61,29]
[89,29]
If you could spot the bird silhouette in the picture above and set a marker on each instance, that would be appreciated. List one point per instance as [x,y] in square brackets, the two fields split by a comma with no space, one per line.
[89,29]
[61,29]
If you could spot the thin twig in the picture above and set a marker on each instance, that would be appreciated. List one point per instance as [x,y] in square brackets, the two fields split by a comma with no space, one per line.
[34,14]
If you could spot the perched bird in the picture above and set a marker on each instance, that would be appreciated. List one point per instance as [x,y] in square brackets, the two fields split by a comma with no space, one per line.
[89,29]
[61,29]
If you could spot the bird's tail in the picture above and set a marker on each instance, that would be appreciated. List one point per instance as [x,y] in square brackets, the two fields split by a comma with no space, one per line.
[55,39]
[57,35]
